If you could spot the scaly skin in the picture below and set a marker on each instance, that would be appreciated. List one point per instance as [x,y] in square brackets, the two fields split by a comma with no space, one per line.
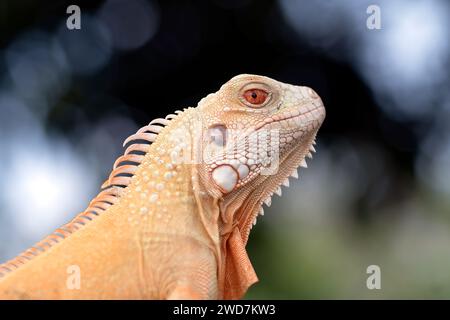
[174,216]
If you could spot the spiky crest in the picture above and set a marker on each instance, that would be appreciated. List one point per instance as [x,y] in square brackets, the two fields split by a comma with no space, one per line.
[124,168]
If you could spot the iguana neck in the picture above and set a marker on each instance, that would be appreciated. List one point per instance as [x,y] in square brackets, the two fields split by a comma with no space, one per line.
[167,184]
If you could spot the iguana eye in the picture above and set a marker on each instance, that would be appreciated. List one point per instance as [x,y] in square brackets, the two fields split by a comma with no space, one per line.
[256,96]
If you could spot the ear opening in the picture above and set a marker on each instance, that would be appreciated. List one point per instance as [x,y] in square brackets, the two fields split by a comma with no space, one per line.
[217,134]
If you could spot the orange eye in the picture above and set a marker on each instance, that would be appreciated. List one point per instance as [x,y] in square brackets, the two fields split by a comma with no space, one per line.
[256,96]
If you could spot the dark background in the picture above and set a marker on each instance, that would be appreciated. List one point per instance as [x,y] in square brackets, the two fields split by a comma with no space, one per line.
[378,193]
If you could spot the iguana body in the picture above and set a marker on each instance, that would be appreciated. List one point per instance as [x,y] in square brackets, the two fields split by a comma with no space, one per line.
[174,216]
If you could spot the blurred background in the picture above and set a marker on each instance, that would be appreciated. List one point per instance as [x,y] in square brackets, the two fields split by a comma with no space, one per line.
[377,192]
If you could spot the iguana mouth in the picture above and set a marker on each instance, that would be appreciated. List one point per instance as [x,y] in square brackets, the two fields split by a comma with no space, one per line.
[297,117]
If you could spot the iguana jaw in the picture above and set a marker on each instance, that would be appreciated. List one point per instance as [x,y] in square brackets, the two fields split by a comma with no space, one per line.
[272,184]
[245,205]
[242,207]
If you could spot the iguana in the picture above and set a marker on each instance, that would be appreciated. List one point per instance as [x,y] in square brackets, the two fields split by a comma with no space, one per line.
[173,218]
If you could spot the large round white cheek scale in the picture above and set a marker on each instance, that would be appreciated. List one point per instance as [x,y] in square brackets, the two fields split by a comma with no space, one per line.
[225,177]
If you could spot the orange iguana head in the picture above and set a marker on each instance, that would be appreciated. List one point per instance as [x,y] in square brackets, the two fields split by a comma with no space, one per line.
[256,132]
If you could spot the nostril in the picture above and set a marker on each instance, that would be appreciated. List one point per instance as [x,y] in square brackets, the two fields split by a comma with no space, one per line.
[312,93]
[309,93]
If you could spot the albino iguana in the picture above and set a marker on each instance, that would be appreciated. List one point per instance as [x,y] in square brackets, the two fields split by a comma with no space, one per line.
[173,219]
